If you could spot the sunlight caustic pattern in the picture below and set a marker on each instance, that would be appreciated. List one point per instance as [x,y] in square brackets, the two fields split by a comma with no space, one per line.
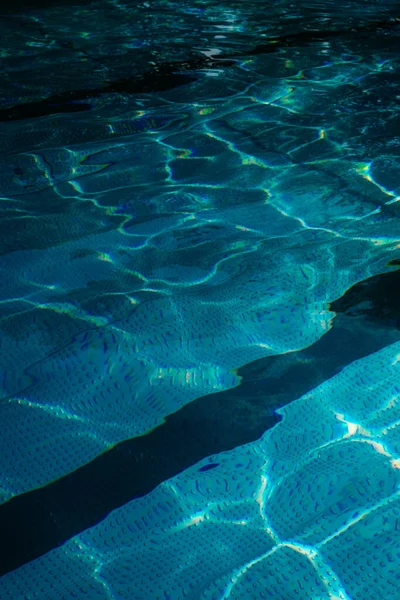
[308,511]
[153,245]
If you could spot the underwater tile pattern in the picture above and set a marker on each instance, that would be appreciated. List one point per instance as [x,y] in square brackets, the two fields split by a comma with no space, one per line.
[307,511]
[157,240]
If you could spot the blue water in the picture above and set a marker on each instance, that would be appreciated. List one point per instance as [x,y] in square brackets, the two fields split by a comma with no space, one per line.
[189,194]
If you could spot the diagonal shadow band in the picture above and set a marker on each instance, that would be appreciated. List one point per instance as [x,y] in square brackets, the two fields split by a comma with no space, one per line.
[367,319]
[169,75]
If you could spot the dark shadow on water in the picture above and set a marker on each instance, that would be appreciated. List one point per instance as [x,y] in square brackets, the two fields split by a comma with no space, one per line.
[169,75]
[21,6]
[367,319]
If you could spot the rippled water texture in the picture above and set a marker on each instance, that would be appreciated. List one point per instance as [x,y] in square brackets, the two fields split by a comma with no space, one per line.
[185,188]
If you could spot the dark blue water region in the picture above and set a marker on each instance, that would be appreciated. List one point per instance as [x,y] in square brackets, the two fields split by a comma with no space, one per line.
[367,319]
[171,74]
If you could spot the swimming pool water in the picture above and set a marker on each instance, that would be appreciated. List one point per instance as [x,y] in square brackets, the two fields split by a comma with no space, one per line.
[190,192]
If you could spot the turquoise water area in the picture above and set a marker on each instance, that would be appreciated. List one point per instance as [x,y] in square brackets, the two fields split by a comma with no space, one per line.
[308,511]
[187,188]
